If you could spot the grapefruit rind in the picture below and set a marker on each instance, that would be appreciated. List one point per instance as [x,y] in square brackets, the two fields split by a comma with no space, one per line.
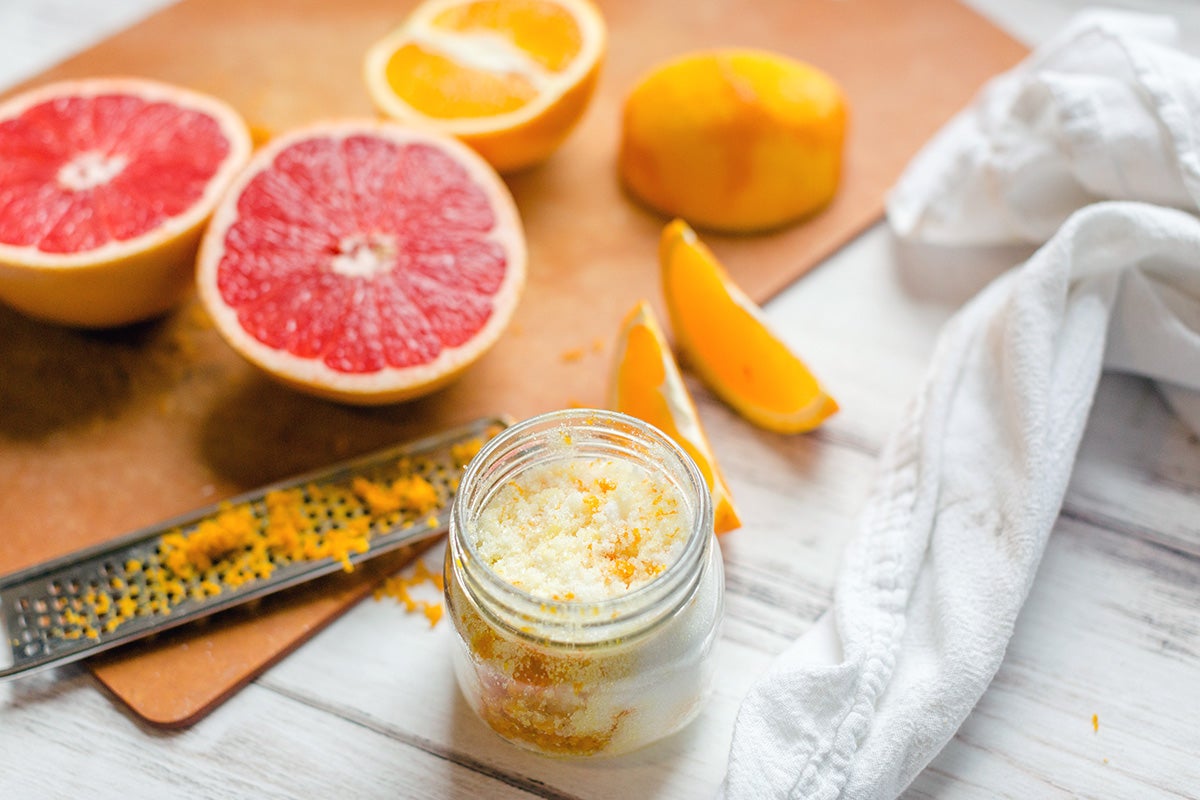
[388,385]
[726,339]
[656,393]
[126,281]
[513,140]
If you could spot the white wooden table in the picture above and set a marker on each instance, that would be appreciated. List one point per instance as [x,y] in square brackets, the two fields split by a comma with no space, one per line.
[369,707]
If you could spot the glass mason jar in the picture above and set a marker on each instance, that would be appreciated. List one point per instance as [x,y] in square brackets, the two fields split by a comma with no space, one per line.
[571,677]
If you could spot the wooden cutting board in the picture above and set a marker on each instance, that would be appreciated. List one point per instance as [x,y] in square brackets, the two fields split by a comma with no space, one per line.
[102,433]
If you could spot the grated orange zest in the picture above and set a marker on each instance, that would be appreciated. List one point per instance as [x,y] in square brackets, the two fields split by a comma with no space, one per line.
[234,547]
[397,587]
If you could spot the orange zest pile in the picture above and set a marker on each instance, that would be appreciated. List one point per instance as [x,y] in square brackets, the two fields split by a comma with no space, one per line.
[397,587]
[724,336]
[108,184]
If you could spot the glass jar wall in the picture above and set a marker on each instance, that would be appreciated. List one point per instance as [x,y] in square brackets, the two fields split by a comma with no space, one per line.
[577,649]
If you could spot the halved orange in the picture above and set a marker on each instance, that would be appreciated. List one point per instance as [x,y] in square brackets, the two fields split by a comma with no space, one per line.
[510,78]
[725,338]
[645,383]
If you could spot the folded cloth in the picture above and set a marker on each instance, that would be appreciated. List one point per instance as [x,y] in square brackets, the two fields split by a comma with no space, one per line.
[971,482]
[1106,110]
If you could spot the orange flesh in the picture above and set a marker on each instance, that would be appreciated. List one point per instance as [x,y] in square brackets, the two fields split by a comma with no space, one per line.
[439,87]
[434,83]
[546,32]
[740,351]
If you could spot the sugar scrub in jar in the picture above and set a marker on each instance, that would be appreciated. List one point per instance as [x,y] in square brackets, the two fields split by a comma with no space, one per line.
[585,584]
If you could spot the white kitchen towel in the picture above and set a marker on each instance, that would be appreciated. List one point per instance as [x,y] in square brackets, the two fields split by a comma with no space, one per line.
[1106,110]
[972,481]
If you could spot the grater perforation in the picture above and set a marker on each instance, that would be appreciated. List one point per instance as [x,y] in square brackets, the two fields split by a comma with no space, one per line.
[100,598]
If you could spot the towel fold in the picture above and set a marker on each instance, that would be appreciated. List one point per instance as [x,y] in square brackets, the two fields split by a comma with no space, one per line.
[1106,110]
[971,482]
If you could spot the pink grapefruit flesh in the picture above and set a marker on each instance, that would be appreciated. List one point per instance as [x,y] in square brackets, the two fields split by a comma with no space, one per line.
[105,186]
[363,261]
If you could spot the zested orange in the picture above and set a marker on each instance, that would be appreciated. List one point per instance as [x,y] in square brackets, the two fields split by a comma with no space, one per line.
[736,140]
[645,383]
[510,78]
[725,338]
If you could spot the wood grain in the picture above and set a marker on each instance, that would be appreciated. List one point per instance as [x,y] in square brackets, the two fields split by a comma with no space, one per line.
[115,753]
[177,677]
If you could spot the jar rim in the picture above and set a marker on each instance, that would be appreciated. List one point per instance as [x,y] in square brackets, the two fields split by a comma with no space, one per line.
[584,622]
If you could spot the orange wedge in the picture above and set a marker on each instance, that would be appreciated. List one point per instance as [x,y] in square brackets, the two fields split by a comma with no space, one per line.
[510,78]
[725,338]
[645,383]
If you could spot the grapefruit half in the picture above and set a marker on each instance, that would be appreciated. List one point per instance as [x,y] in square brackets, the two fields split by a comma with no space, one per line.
[363,261]
[105,187]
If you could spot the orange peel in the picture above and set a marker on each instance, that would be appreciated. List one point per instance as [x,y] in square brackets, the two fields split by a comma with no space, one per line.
[510,78]
[646,383]
[734,140]
[726,339]
[107,185]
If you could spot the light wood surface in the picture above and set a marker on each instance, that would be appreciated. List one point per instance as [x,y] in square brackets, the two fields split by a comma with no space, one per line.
[369,709]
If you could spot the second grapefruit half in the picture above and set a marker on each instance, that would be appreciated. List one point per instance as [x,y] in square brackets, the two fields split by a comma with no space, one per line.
[363,261]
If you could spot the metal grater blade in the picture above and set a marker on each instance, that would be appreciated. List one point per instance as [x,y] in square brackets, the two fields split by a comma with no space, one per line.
[258,543]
